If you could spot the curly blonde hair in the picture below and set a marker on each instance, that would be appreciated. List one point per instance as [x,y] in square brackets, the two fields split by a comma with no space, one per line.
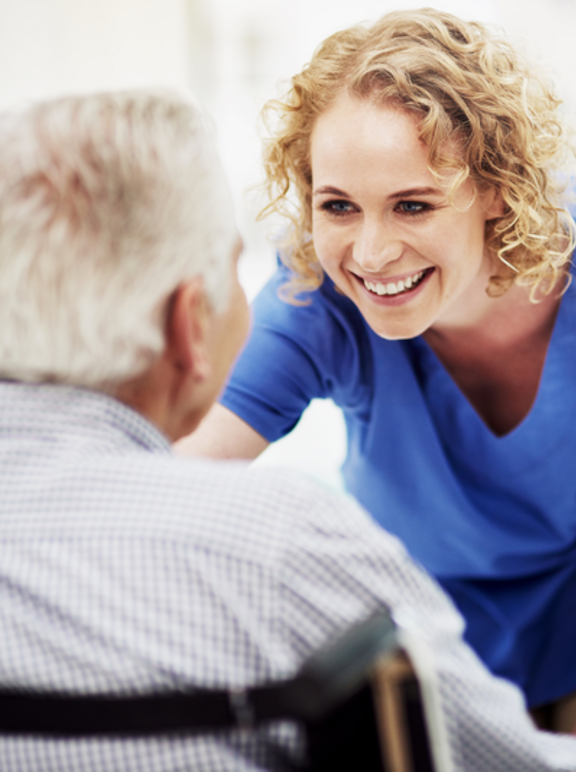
[466,85]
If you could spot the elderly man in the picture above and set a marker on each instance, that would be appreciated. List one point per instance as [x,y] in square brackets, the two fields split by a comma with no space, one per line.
[122,567]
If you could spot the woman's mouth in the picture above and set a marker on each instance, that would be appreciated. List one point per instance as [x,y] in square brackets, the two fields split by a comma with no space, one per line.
[397,288]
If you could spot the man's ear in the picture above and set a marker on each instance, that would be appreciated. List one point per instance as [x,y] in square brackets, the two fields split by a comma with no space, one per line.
[187,331]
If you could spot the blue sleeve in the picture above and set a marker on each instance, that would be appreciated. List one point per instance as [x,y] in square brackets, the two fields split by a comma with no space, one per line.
[296,354]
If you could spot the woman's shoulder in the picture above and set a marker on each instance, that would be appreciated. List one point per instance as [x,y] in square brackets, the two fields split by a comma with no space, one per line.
[318,346]
[324,311]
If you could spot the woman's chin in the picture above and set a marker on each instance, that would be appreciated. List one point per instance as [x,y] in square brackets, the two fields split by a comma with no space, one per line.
[398,330]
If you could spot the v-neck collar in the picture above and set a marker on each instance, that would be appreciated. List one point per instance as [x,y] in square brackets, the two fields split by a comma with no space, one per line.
[549,419]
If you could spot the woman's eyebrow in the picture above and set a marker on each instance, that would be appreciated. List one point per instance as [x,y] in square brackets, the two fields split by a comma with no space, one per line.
[328,190]
[410,192]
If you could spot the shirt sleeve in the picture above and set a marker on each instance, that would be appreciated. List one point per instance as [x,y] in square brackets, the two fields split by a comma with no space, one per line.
[297,353]
[340,567]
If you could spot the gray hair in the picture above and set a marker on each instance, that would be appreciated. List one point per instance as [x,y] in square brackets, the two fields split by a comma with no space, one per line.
[108,203]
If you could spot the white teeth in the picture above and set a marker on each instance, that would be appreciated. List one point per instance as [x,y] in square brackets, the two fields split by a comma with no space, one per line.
[394,289]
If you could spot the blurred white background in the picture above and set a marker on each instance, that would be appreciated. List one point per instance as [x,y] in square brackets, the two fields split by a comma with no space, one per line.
[234,54]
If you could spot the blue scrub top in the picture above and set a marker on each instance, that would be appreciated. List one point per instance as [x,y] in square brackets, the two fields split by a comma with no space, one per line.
[492,518]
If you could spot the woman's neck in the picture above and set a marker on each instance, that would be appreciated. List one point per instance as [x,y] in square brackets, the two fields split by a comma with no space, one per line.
[497,356]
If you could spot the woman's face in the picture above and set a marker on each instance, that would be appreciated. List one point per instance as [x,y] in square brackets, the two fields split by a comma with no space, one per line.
[383,228]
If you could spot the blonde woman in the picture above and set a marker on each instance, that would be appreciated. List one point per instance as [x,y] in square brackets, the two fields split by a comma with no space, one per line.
[425,288]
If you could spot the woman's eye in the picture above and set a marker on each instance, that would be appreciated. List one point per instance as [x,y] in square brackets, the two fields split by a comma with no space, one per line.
[412,207]
[337,207]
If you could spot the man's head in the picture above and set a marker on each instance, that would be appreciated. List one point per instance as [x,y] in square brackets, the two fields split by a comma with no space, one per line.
[111,206]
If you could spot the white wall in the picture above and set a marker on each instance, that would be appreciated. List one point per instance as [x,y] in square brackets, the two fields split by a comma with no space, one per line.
[49,47]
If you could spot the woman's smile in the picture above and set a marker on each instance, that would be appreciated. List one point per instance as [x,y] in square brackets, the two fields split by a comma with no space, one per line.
[394,290]
[401,287]
[384,227]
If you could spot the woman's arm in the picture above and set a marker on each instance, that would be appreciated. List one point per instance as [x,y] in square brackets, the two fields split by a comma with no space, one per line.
[294,354]
[222,435]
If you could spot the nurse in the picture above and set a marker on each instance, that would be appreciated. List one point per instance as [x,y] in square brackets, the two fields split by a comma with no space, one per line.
[425,289]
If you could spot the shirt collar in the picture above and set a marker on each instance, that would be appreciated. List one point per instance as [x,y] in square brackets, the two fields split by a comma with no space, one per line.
[56,409]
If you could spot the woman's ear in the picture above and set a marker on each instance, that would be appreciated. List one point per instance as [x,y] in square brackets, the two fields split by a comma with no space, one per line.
[493,203]
[187,331]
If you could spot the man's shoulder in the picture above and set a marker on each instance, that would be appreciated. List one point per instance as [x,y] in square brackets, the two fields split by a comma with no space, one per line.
[223,478]
[236,486]
[81,465]
[275,508]
[205,502]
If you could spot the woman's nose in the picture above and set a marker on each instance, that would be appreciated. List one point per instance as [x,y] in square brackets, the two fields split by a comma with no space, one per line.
[376,247]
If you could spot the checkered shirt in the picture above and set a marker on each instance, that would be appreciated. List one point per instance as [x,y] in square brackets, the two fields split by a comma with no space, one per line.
[123,568]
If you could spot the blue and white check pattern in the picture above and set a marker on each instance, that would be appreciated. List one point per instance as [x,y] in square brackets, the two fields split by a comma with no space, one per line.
[124,568]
